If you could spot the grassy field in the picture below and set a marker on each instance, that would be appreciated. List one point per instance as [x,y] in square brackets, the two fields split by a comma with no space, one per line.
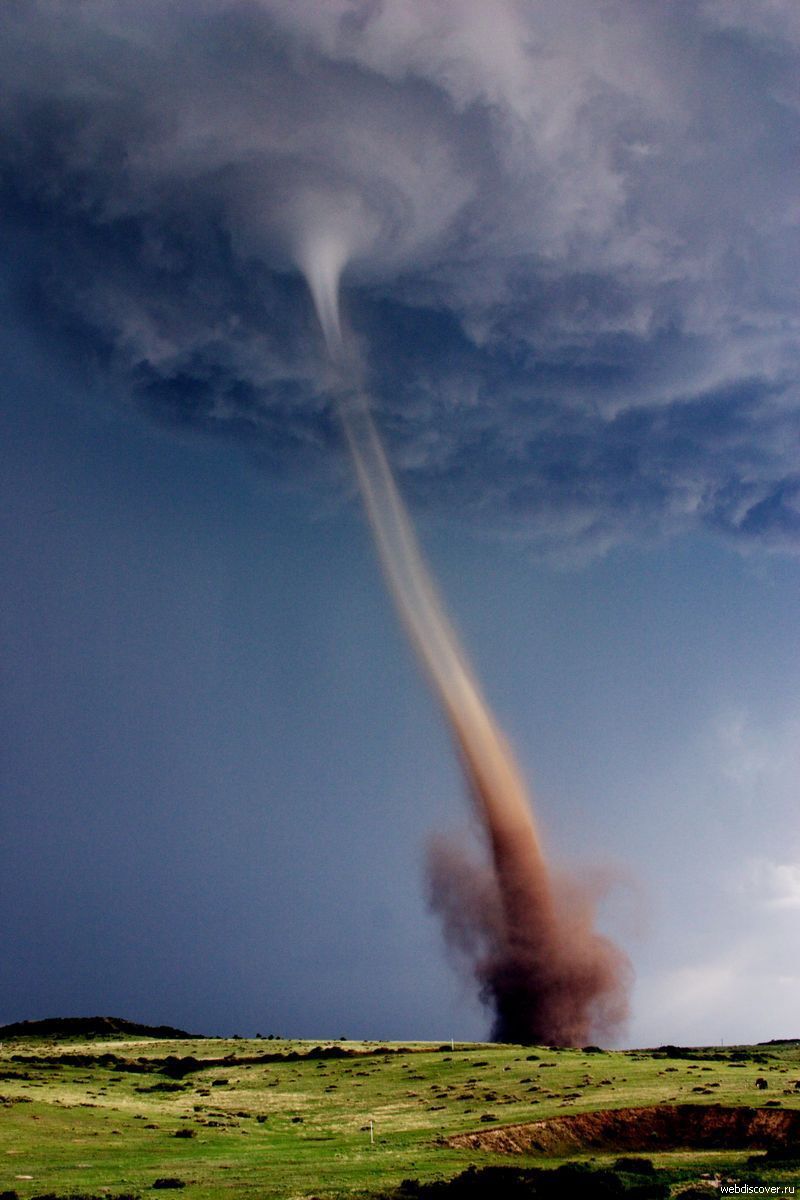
[114,1116]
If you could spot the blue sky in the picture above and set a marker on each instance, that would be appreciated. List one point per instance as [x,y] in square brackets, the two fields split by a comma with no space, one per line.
[573,286]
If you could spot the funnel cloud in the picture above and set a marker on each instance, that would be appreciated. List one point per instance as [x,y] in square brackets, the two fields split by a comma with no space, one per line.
[541,965]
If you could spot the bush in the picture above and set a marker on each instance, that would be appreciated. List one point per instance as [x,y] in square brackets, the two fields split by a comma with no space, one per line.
[635,1166]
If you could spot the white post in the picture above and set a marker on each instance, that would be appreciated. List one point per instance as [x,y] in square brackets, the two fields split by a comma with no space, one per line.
[371,1134]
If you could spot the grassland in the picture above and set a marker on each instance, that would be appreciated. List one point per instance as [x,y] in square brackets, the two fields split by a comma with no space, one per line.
[113,1116]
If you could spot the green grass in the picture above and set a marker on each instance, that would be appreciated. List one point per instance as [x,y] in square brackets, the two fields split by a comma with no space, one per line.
[87,1128]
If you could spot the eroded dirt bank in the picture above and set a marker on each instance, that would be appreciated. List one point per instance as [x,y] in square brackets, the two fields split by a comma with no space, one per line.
[659,1127]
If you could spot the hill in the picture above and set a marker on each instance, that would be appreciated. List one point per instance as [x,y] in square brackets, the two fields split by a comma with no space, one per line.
[94,1118]
[89,1027]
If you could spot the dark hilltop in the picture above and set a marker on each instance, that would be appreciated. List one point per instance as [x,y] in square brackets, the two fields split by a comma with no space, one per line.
[89,1027]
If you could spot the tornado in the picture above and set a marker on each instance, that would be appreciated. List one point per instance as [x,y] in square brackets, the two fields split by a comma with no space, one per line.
[526,931]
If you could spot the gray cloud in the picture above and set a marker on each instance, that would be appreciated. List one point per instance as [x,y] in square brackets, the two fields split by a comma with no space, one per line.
[573,232]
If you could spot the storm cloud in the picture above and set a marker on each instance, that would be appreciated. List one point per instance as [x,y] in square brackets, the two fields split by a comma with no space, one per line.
[575,234]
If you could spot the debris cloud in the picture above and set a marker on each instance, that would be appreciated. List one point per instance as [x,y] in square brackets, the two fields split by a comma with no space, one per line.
[528,934]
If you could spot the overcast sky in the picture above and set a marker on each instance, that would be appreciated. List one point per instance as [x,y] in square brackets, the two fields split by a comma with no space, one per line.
[573,234]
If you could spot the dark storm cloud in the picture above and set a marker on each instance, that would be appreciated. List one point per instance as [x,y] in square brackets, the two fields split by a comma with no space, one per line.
[573,229]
